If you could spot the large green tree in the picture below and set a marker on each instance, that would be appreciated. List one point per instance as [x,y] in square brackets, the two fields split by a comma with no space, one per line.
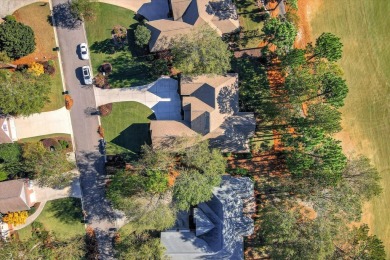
[201,51]
[281,33]
[23,93]
[328,46]
[16,39]
[49,168]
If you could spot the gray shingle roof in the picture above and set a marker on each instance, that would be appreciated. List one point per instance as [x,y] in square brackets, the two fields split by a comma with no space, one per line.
[224,238]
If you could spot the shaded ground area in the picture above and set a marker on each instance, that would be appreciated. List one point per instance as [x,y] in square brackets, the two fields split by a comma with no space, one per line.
[128,70]
[251,20]
[36,16]
[127,127]
[63,217]
[363,27]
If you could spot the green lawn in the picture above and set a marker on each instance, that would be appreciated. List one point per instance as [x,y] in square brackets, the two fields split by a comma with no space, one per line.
[364,28]
[127,70]
[126,129]
[35,15]
[251,23]
[62,216]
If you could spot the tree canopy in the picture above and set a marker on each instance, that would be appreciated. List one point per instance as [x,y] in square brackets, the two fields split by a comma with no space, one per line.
[200,52]
[281,33]
[23,93]
[16,39]
[328,46]
[83,9]
[142,35]
[49,168]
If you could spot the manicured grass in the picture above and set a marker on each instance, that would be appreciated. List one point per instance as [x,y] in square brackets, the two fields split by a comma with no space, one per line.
[38,138]
[127,69]
[127,127]
[364,29]
[36,16]
[250,21]
[62,216]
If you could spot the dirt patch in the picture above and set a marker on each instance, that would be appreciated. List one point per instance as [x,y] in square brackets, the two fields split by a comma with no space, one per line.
[306,11]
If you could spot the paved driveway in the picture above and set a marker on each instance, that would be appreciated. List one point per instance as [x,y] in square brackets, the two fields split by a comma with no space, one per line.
[57,121]
[161,96]
[150,9]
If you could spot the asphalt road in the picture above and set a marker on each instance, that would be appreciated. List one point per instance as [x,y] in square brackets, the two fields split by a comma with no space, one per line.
[90,161]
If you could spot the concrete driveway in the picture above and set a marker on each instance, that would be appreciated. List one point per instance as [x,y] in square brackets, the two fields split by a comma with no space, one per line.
[160,96]
[9,6]
[57,121]
[150,9]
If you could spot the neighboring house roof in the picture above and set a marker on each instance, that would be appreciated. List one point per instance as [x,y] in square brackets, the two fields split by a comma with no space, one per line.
[5,131]
[164,132]
[220,225]
[210,107]
[14,196]
[221,15]
[163,31]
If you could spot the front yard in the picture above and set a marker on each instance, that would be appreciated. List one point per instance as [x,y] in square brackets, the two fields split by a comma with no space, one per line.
[127,127]
[62,216]
[36,16]
[251,20]
[128,70]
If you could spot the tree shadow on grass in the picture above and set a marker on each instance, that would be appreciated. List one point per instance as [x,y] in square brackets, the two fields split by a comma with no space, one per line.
[133,137]
[128,71]
[106,46]
[67,210]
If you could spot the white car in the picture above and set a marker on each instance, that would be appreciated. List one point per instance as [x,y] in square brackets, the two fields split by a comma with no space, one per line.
[87,75]
[84,51]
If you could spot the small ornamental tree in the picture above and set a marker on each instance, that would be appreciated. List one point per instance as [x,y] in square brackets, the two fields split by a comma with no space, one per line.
[16,39]
[36,69]
[280,33]
[119,33]
[142,35]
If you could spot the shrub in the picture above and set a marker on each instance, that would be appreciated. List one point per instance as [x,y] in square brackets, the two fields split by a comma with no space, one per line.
[64,144]
[142,35]
[10,153]
[119,32]
[10,18]
[49,67]
[101,131]
[51,144]
[16,218]
[100,80]
[3,175]
[106,109]
[106,68]
[68,102]
[16,39]
[36,69]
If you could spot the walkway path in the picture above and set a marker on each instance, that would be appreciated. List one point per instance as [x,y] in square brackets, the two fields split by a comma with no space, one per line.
[33,217]
[161,96]
[57,121]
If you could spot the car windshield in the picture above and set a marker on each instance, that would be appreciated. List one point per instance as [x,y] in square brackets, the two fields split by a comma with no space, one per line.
[86,73]
[84,52]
